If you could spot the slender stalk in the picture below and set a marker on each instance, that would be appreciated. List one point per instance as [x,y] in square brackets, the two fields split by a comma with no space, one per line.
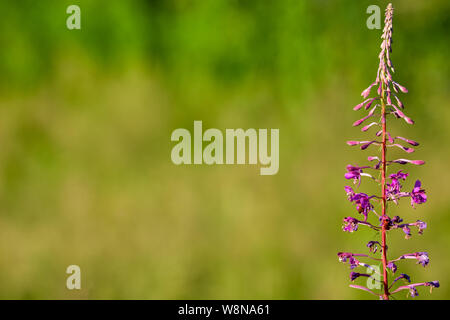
[383,196]
[390,190]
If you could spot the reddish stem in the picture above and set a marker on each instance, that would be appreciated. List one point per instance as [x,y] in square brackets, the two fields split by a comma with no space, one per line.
[383,198]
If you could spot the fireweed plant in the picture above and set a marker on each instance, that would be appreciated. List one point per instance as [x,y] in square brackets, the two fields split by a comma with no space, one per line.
[387,102]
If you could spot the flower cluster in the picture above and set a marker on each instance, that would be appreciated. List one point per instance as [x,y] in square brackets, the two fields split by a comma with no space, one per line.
[385,103]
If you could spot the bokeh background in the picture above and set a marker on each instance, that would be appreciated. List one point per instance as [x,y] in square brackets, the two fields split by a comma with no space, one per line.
[85,123]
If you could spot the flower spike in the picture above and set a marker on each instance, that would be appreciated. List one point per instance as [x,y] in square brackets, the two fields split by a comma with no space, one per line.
[385,100]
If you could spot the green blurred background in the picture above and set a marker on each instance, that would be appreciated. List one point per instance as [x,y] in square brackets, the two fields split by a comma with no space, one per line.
[85,123]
